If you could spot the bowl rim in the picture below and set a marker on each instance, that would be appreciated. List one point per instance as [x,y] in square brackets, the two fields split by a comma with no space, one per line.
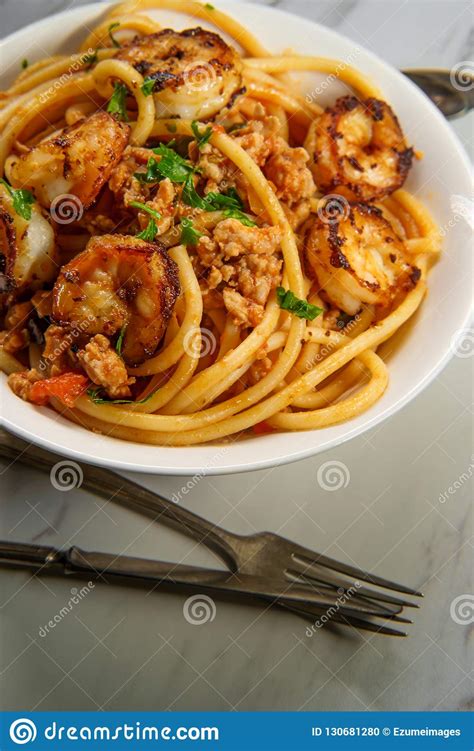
[25,35]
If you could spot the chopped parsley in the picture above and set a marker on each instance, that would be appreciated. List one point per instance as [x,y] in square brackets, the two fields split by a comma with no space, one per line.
[144,207]
[228,200]
[95,395]
[208,6]
[202,137]
[148,85]
[112,27]
[287,300]
[118,102]
[24,64]
[149,233]
[173,165]
[189,235]
[191,197]
[119,342]
[22,200]
[240,216]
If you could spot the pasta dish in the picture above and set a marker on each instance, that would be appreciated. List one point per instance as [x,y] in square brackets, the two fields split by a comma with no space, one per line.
[191,247]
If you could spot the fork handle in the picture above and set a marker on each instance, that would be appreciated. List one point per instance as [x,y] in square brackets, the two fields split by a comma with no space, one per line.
[112,486]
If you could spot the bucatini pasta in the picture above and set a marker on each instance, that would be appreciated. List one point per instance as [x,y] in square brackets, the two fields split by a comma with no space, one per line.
[192,248]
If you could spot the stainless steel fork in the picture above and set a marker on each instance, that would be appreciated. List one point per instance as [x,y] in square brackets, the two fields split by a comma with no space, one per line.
[264,554]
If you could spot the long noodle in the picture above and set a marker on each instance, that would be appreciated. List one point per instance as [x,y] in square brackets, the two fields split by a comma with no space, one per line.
[190,393]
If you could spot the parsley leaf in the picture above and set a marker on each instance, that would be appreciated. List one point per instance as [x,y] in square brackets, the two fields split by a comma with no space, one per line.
[22,200]
[189,235]
[148,86]
[243,218]
[119,342]
[94,395]
[144,207]
[208,6]
[24,63]
[201,137]
[117,105]
[152,175]
[149,233]
[192,198]
[173,165]
[112,38]
[228,200]
[287,300]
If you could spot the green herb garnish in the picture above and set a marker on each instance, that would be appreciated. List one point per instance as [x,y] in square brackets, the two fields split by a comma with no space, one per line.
[189,235]
[119,342]
[152,175]
[208,6]
[22,200]
[94,395]
[301,308]
[173,165]
[240,216]
[117,105]
[147,86]
[24,64]
[201,137]
[192,198]
[112,38]
[144,207]
[228,200]
[149,233]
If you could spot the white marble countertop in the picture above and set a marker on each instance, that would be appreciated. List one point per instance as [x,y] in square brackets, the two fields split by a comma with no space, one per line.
[406,513]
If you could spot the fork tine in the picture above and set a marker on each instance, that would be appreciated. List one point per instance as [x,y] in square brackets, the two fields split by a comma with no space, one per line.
[377,607]
[307,576]
[306,555]
[354,621]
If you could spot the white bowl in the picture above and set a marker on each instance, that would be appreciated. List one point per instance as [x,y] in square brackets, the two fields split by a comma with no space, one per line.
[429,340]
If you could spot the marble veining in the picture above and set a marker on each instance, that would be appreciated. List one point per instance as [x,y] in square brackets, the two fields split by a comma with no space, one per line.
[127,649]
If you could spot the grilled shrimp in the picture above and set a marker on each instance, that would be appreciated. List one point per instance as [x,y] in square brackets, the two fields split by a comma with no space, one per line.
[359,259]
[195,72]
[117,284]
[27,247]
[359,146]
[77,160]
